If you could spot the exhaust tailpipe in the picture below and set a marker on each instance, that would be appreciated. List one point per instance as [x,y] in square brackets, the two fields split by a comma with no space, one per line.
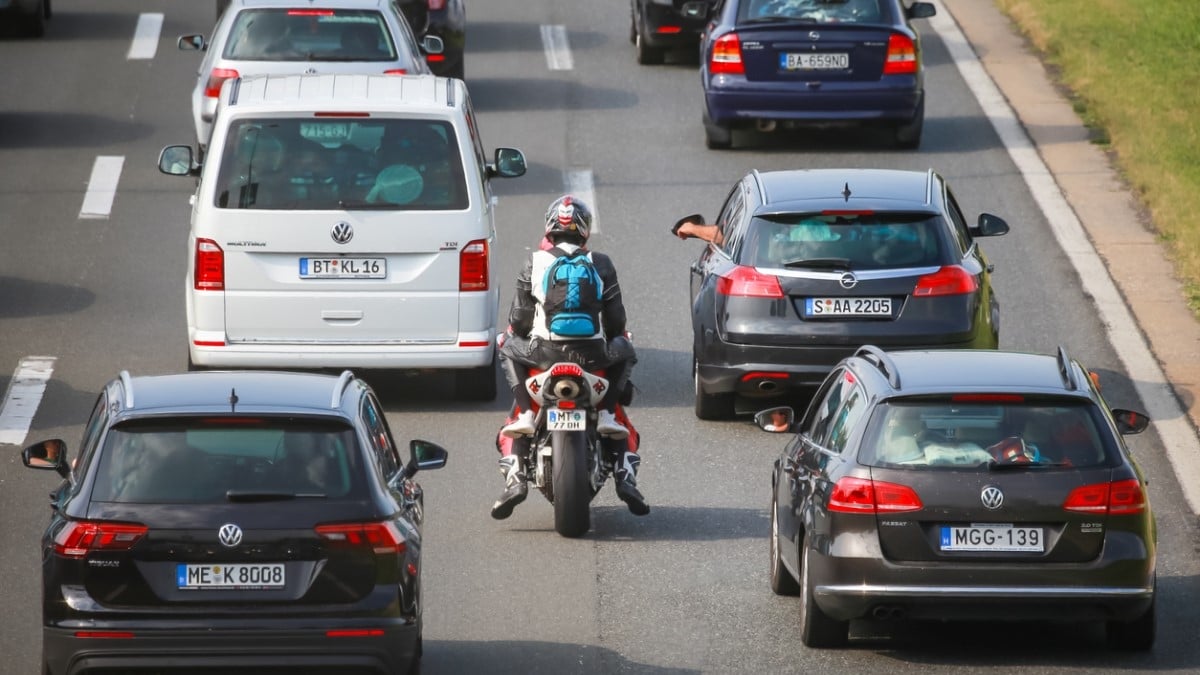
[888,612]
[765,126]
[767,386]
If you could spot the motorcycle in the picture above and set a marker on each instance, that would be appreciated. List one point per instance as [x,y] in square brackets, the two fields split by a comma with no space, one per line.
[568,461]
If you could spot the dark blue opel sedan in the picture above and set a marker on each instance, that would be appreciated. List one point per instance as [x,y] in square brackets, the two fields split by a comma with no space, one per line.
[767,64]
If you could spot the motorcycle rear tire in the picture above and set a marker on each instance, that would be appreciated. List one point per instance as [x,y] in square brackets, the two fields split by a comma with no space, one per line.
[572,488]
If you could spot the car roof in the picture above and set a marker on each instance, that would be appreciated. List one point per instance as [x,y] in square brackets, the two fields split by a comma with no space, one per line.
[426,94]
[249,392]
[311,4]
[984,370]
[846,189]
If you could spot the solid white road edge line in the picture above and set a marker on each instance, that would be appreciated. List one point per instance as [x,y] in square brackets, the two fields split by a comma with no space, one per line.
[1170,420]
[145,36]
[579,182]
[23,397]
[558,50]
[102,187]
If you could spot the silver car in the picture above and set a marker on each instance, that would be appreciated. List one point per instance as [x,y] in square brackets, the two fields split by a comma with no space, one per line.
[292,37]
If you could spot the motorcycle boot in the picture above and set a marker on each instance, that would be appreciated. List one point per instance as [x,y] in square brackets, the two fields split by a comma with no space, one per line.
[515,487]
[626,479]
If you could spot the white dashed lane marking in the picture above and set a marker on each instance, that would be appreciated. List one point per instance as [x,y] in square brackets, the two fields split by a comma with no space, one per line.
[24,395]
[102,187]
[145,36]
[558,50]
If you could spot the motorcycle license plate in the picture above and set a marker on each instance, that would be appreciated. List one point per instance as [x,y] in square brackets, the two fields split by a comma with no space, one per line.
[566,420]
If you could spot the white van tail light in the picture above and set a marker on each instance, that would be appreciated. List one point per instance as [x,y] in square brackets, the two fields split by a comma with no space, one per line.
[218,76]
[210,266]
[473,263]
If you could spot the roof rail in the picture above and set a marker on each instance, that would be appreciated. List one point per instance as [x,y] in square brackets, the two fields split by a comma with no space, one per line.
[929,174]
[235,90]
[882,361]
[1066,371]
[127,383]
[449,93]
[343,381]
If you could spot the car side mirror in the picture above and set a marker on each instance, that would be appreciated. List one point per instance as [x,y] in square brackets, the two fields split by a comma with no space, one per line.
[776,420]
[432,44]
[47,455]
[921,10]
[509,163]
[989,226]
[426,456]
[177,160]
[1130,421]
[697,9]
[192,43]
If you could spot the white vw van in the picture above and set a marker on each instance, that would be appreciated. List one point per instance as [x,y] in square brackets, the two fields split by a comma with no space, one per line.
[344,221]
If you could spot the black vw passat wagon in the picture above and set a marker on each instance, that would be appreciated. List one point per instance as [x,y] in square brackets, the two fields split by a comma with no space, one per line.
[233,520]
[963,485]
[811,264]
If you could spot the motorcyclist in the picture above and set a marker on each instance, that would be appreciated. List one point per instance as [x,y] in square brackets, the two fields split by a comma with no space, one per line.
[530,344]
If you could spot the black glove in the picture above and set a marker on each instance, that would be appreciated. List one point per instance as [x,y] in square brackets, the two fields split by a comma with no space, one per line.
[694,218]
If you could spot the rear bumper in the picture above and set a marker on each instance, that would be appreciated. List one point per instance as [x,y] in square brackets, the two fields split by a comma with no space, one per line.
[733,99]
[479,353]
[243,648]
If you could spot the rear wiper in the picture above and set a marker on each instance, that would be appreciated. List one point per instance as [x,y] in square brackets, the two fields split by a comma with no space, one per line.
[819,263]
[365,206]
[260,496]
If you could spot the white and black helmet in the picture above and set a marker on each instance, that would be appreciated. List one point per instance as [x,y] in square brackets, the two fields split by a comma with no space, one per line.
[568,217]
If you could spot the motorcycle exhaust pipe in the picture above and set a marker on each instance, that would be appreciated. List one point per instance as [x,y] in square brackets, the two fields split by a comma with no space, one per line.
[566,389]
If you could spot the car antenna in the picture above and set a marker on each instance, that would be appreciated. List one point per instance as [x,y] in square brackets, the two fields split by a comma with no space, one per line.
[846,192]
[233,399]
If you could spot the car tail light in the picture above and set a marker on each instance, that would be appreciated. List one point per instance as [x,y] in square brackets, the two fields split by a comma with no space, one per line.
[380,537]
[748,282]
[354,632]
[104,635]
[396,71]
[218,76]
[669,30]
[310,12]
[210,266]
[949,280]
[988,398]
[727,56]
[78,538]
[901,55]
[762,375]
[1120,497]
[863,495]
[473,266]
[437,5]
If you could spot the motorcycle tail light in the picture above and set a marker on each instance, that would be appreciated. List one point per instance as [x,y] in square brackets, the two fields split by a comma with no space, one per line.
[566,370]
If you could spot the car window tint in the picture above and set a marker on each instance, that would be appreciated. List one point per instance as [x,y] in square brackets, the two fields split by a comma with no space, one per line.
[823,415]
[199,460]
[815,11]
[876,241]
[731,212]
[309,35]
[386,456]
[315,164]
[961,233]
[932,434]
[91,435]
[846,419]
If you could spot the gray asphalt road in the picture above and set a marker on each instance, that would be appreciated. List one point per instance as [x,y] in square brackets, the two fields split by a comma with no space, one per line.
[682,590]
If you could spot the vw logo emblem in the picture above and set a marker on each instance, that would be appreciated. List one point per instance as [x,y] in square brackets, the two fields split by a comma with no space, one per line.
[992,498]
[848,280]
[342,233]
[814,35]
[310,71]
[230,535]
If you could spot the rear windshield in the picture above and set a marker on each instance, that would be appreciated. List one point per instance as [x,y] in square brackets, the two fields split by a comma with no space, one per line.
[309,35]
[812,11]
[341,163]
[861,242]
[985,433]
[205,460]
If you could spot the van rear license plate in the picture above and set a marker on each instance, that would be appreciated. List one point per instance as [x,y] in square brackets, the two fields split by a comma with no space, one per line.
[821,307]
[565,420]
[234,576]
[992,537]
[343,268]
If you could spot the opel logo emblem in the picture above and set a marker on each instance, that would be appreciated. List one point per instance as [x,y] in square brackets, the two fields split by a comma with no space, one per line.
[230,535]
[814,35]
[342,233]
[992,498]
[848,280]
